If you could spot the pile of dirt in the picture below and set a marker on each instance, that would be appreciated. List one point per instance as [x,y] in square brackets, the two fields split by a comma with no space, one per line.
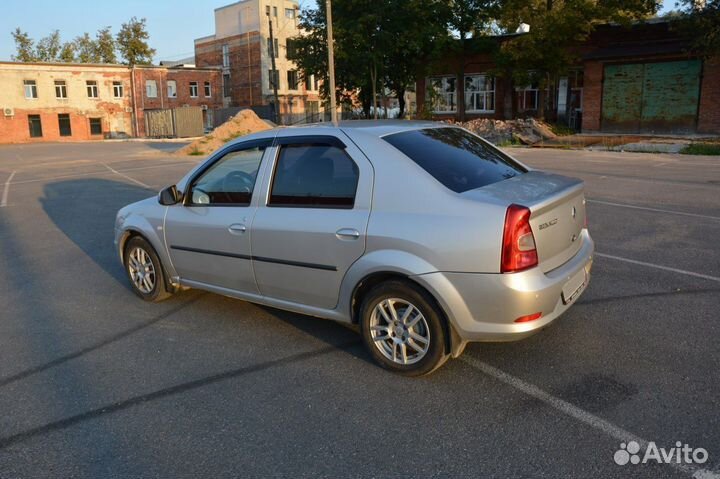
[501,132]
[244,123]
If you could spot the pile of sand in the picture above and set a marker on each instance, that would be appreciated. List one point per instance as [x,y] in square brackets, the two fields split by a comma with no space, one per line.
[528,131]
[244,123]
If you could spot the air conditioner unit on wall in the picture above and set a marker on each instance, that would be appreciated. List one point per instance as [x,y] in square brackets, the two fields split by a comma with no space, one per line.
[204,107]
[9,111]
[128,109]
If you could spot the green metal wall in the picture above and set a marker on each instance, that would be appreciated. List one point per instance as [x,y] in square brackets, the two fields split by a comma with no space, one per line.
[651,97]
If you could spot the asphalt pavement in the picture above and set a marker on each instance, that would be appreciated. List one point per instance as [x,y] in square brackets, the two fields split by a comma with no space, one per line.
[95,382]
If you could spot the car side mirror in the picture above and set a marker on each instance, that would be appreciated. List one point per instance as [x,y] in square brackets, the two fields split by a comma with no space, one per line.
[169,196]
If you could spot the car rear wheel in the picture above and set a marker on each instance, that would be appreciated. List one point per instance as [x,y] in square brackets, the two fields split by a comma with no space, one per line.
[403,329]
[144,270]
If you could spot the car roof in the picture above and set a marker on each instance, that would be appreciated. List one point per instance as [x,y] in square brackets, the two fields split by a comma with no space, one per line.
[377,128]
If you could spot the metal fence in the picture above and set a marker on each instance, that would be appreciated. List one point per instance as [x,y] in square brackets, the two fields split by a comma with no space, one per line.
[176,122]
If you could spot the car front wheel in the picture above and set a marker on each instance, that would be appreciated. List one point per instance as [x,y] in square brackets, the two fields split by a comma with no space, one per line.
[403,329]
[144,270]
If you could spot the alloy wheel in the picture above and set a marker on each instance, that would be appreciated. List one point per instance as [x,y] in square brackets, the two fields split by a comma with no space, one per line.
[399,331]
[142,270]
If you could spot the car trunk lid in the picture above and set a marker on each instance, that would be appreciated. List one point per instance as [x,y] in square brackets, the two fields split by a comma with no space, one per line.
[557,206]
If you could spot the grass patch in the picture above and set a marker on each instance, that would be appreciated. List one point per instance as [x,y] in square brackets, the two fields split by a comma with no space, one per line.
[701,149]
[196,152]
[509,142]
[561,130]
[235,135]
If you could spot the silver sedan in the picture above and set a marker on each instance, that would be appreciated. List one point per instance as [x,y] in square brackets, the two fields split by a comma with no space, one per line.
[423,234]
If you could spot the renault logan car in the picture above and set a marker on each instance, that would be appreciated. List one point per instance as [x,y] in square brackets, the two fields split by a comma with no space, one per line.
[423,234]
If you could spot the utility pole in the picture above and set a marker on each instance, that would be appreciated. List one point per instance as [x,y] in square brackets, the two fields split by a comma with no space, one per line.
[273,79]
[331,62]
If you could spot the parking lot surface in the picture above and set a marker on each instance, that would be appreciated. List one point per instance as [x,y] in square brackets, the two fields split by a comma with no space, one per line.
[95,382]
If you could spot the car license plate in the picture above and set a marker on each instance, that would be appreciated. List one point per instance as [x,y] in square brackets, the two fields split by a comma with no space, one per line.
[573,287]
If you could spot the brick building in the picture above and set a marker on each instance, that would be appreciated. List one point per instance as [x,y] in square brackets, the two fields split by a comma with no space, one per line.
[240,47]
[71,102]
[628,80]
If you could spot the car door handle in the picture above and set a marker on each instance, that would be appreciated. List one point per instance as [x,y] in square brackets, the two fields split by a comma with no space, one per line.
[237,229]
[347,233]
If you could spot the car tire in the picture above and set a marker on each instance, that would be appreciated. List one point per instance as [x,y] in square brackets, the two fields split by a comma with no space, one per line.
[144,270]
[395,339]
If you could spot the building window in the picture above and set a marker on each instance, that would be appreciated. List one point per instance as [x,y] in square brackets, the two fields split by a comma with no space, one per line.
[193,89]
[274,77]
[117,89]
[290,48]
[312,84]
[226,56]
[64,124]
[292,78]
[172,89]
[274,11]
[208,89]
[60,89]
[527,97]
[575,80]
[441,94]
[35,126]
[92,88]
[30,89]
[95,126]
[273,48]
[226,85]
[151,88]
[290,13]
[479,94]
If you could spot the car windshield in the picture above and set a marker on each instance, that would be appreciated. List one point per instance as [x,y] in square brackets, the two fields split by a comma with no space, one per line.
[457,159]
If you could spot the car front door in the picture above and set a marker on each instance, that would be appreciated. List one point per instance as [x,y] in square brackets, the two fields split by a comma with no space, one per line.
[208,235]
[311,225]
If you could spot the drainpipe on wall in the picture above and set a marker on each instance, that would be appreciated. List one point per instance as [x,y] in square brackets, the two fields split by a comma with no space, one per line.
[134,103]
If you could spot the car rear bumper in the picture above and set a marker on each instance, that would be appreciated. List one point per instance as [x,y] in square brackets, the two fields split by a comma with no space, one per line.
[484,307]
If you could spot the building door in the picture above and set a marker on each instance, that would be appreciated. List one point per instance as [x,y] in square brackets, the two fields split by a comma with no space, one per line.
[651,97]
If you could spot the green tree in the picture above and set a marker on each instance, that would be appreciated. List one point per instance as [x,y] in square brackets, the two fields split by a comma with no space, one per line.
[106,46]
[132,41]
[545,52]
[67,52]
[377,44]
[86,50]
[471,20]
[24,47]
[48,48]
[702,24]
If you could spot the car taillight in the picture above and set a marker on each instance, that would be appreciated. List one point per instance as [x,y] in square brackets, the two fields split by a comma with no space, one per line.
[518,248]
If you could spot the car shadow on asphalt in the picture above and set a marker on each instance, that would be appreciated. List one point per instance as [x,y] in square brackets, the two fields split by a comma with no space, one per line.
[84,210]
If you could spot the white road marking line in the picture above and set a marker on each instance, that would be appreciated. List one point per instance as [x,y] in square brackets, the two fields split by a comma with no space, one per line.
[657,266]
[657,210]
[80,175]
[577,413]
[137,182]
[6,190]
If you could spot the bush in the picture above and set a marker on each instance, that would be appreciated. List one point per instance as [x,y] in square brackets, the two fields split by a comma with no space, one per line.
[701,149]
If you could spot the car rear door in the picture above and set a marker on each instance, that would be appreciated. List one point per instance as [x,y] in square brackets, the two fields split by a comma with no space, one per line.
[311,226]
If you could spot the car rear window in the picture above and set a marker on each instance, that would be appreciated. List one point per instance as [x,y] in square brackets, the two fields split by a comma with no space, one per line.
[455,158]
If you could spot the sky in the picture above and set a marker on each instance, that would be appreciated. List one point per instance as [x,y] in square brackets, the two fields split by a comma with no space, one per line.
[172,24]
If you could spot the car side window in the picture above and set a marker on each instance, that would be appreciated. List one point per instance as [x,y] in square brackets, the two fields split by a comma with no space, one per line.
[230,180]
[314,176]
